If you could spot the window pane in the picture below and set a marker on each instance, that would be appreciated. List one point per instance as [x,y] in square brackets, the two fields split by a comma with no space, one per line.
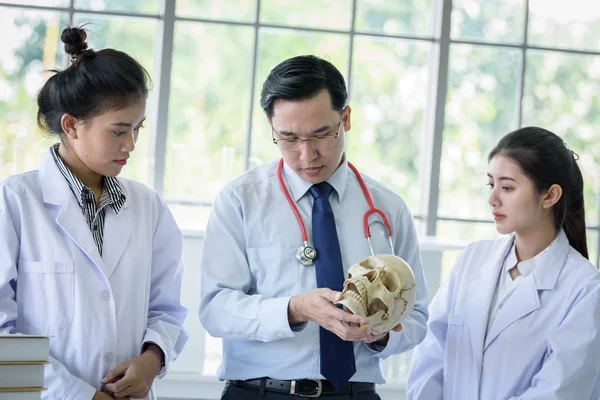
[325,14]
[388,103]
[189,360]
[132,6]
[208,111]
[448,260]
[569,25]
[420,223]
[561,94]
[136,37]
[481,107]
[231,10]
[32,49]
[395,369]
[275,46]
[496,21]
[466,232]
[190,217]
[395,17]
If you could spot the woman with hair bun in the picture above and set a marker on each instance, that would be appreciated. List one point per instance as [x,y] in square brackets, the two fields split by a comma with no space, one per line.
[92,260]
[519,316]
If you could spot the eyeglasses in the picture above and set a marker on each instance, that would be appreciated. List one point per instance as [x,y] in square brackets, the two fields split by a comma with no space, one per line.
[317,142]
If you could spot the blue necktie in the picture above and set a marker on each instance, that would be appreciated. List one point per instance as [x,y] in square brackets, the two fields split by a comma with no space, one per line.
[337,355]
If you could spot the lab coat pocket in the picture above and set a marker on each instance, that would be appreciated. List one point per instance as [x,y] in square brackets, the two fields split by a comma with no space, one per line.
[45,293]
[274,270]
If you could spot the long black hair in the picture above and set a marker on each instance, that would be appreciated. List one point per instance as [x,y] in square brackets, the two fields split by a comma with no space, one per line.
[546,159]
[95,82]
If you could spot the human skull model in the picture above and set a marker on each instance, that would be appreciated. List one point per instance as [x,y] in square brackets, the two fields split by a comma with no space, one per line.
[382,289]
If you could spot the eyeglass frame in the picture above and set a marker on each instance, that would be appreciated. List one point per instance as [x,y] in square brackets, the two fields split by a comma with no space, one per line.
[309,140]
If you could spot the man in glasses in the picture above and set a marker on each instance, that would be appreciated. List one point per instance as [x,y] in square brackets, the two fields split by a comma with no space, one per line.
[273,302]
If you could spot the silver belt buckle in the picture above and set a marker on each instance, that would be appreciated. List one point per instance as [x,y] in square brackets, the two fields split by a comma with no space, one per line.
[319,388]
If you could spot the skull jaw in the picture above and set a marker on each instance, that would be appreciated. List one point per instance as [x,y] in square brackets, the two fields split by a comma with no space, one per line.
[378,325]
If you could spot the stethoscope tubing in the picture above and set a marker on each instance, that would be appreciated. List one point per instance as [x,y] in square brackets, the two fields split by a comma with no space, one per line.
[372,209]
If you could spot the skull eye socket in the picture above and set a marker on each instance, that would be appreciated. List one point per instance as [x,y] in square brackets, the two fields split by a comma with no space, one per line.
[390,282]
[371,276]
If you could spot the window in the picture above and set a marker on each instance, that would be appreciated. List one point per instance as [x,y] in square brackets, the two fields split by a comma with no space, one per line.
[498,65]
[513,66]
[135,36]
[29,47]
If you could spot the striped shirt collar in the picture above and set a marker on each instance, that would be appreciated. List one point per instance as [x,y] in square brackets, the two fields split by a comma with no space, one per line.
[112,187]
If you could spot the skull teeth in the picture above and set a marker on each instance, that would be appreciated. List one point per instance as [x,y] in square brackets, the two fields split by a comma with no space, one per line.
[359,301]
[355,298]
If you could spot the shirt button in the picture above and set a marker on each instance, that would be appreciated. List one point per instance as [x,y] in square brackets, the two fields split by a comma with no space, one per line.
[109,358]
[279,334]
[105,295]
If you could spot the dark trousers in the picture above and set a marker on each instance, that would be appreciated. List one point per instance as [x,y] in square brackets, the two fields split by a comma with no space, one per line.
[233,392]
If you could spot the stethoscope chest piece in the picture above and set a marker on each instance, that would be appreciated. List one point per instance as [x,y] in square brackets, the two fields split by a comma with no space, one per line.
[306,254]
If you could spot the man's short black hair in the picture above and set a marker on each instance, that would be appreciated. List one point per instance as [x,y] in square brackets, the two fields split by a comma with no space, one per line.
[300,78]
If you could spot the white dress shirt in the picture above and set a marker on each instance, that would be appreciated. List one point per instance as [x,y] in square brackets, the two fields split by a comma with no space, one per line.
[250,271]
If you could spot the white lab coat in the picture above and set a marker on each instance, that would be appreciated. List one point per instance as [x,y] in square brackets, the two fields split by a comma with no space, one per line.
[98,310]
[543,344]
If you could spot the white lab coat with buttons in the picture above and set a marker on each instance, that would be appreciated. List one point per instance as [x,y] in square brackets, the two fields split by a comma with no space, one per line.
[543,344]
[97,310]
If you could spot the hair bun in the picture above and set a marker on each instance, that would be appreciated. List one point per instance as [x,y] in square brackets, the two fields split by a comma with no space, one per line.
[74,40]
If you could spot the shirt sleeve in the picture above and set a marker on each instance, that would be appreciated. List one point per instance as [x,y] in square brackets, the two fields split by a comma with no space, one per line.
[414,327]
[226,309]
[166,313]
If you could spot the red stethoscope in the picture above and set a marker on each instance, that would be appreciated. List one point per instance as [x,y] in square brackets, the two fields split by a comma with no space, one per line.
[306,254]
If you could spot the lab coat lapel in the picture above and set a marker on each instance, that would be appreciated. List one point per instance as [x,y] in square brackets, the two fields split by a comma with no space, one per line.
[521,302]
[525,299]
[117,232]
[70,219]
[481,291]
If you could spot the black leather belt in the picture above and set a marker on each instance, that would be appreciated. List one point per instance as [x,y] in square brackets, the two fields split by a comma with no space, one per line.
[305,387]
